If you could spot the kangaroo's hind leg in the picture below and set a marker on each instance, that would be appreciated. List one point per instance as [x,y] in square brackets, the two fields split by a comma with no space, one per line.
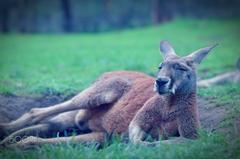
[100,93]
[36,141]
[55,124]
[25,120]
[16,136]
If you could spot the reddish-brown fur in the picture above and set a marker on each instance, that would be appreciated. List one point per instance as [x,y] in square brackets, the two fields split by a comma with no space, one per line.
[119,114]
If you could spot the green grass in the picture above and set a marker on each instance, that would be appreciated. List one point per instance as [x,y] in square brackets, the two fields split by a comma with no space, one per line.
[209,146]
[35,64]
[68,63]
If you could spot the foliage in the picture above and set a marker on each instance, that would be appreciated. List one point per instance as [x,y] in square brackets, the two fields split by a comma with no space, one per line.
[209,146]
[102,15]
[68,63]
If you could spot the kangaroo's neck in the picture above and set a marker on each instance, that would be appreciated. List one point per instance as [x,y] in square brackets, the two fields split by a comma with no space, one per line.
[183,100]
[185,107]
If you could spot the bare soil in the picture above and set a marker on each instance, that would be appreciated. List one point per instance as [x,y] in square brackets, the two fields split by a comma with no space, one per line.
[12,107]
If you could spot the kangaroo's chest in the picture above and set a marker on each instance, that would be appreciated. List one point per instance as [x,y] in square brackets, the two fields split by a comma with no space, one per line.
[116,118]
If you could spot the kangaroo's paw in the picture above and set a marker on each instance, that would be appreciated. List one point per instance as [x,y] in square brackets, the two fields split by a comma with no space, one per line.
[37,114]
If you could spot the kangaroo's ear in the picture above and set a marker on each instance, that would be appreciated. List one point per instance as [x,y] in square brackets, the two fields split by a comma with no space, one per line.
[198,56]
[166,49]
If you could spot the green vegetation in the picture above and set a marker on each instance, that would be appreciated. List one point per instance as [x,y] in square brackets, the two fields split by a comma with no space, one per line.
[69,63]
[208,147]
[35,64]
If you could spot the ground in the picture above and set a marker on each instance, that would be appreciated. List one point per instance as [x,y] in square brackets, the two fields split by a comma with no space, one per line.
[40,70]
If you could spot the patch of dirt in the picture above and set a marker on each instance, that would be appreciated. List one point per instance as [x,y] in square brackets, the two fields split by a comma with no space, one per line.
[211,115]
[12,107]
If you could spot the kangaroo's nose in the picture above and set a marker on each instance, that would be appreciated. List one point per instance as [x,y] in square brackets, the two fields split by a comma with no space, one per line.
[162,80]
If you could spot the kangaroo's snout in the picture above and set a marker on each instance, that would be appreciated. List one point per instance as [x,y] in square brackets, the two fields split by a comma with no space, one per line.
[162,84]
[162,81]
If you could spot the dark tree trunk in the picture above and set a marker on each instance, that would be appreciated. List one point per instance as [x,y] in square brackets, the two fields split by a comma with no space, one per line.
[67,15]
[5,8]
[160,11]
[4,20]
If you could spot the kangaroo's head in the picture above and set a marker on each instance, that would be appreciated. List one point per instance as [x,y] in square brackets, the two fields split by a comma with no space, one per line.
[178,74]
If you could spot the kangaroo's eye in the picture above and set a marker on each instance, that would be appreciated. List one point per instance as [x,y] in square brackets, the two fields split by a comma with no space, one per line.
[181,68]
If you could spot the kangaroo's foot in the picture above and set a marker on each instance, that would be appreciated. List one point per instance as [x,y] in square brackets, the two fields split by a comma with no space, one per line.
[36,141]
[21,134]
[34,116]
[55,124]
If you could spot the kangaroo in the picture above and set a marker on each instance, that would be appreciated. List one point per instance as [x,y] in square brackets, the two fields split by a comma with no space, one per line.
[122,102]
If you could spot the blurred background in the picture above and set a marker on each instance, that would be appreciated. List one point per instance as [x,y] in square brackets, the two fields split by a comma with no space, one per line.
[103,15]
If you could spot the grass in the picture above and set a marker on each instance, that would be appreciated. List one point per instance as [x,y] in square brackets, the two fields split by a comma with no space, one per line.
[50,63]
[68,63]
[209,146]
